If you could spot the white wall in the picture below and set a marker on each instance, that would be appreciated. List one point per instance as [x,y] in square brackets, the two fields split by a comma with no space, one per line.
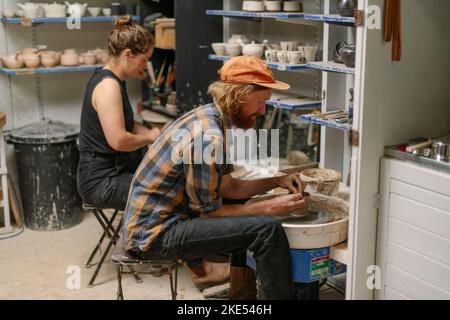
[399,101]
[62,93]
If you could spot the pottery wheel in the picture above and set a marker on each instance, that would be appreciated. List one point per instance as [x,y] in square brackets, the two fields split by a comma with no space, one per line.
[313,217]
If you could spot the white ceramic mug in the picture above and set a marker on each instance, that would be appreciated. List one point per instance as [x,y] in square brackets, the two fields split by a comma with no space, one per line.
[283,56]
[271,55]
[295,57]
[309,53]
[288,45]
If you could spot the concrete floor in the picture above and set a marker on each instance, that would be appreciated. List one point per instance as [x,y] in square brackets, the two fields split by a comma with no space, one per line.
[45,265]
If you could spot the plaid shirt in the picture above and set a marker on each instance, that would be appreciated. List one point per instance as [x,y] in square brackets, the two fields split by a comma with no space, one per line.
[163,190]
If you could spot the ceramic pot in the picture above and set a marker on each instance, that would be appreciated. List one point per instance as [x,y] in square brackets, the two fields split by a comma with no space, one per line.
[8,13]
[218,48]
[346,8]
[69,59]
[273,5]
[337,52]
[235,37]
[94,11]
[253,49]
[292,6]
[89,58]
[348,55]
[32,61]
[54,10]
[12,61]
[76,9]
[233,49]
[48,61]
[30,10]
[106,12]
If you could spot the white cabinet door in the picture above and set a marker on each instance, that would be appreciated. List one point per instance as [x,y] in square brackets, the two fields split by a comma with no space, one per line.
[413,248]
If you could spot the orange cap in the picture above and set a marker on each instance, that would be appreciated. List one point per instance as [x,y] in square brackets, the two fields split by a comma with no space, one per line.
[252,70]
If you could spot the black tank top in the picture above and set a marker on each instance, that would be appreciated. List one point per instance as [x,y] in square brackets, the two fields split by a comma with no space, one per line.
[92,137]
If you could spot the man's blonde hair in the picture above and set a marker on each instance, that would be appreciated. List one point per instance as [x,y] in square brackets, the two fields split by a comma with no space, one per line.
[228,96]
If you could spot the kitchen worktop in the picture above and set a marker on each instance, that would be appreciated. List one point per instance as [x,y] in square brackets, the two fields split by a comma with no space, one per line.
[393,152]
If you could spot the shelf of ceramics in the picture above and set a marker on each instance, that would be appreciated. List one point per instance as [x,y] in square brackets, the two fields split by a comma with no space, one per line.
[328,18]
[272,65]
[27,72]
[291,102]
[331,66]
[29,22]
[327,123]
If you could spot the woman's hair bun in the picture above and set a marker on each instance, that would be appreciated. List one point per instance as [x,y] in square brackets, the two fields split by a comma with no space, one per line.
[124,21]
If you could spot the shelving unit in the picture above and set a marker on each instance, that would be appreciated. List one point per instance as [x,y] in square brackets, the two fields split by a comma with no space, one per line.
[336,80]
[29,22]
[29,72]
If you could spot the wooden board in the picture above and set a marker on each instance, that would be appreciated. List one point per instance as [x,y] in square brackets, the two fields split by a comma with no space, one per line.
[15,207]
[2,119]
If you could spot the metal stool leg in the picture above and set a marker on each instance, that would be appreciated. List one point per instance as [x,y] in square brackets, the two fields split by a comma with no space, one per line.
[136,276]
[173,275]
[119,282]
[108,248]
[110,222]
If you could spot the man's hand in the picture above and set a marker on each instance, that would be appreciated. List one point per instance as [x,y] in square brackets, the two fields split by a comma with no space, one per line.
[291,182]
[284,204]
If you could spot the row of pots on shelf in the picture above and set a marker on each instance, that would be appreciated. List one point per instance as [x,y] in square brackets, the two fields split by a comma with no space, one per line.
[33,58]
[55,10]
[239,44]
[258,6]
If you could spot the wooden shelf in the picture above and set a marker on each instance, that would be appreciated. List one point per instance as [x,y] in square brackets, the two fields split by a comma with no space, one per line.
[28,72]
[331,66]
[327,18]
[28,22]
[328,123]
[275,66]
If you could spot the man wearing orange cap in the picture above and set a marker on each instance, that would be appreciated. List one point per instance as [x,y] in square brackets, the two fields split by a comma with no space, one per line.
[175,206]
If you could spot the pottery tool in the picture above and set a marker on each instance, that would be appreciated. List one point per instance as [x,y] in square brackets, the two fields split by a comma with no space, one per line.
[160,74]
[151,73]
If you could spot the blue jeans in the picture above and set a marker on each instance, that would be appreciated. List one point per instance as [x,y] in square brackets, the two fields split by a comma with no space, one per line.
[264,236]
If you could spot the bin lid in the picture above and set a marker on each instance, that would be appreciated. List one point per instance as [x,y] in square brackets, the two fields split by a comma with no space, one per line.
[44,132]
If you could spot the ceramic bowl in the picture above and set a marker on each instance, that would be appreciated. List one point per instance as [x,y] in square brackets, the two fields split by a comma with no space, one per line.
[94,11]
[8,13]
[12,62]
[218,48]
[273,5]
[106,12]
[254,6]
[233,49]
[292,6]
[19,13]
[32,61]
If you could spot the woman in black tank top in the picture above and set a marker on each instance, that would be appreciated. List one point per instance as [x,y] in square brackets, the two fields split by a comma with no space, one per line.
[110,141]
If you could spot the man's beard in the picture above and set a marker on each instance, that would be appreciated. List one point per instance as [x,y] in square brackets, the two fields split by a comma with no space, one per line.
[241,121]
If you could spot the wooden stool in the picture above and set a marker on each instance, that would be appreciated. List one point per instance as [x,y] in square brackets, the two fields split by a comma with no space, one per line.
[122,258]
